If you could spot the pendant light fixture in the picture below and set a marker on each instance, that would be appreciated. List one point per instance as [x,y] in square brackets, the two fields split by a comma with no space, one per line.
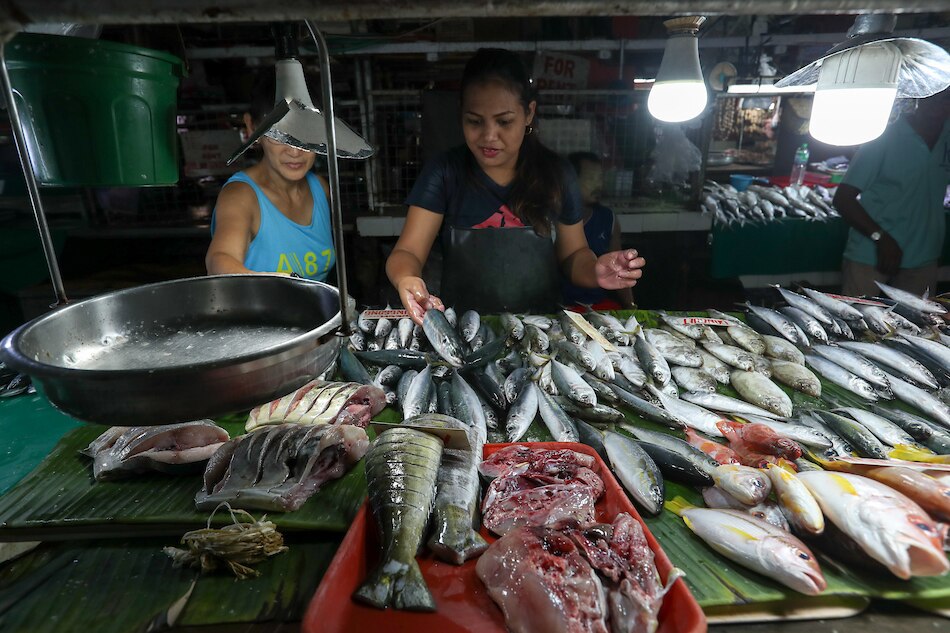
[858,80]
[679,92]
[295,121]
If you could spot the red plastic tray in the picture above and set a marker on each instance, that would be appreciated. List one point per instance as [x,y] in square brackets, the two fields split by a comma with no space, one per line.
[463,604]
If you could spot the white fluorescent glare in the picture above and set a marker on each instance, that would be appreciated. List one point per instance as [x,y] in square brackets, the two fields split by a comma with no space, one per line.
[855,94]
[767,89]
[679,92]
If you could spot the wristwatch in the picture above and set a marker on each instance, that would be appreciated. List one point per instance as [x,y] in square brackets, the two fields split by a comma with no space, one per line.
[875,236]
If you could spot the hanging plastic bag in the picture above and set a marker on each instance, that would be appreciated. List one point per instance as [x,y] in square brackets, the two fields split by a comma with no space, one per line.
[674,156]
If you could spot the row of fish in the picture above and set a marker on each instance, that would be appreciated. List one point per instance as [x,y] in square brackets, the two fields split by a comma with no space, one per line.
[762,203]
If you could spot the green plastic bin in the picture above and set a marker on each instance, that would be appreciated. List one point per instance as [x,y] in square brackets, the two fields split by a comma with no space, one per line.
[96,113]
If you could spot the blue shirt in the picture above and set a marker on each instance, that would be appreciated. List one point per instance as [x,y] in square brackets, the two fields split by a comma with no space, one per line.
[281,245]
[445,186]
[902,183]
[598,229]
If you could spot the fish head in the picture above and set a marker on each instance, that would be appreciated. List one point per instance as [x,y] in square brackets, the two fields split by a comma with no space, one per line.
[865,390]
[748,485]
[797,565]
[924,542]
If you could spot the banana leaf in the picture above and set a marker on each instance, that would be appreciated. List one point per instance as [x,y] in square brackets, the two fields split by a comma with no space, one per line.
[131,585]
[60,499]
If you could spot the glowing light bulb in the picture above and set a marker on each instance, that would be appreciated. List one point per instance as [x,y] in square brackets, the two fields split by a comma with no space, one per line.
[855,94]
[679,92]
[677,101]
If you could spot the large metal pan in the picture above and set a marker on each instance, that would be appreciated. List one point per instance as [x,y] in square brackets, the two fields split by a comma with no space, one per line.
[180,350]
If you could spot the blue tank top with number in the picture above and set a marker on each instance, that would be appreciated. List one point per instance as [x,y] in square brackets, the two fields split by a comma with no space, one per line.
[282,245]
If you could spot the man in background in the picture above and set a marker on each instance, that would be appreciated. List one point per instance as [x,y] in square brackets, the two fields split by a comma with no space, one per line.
[892,197]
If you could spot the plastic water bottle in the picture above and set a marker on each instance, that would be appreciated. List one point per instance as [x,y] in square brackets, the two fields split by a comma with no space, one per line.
[800,165]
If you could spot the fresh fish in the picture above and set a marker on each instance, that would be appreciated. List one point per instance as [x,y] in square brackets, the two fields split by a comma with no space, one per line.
[485,354]
[442,336]
[780,348]
[691,379]
[844,330]
[858,435]
[840,447]
[392,340]
[747,338]
[559,424]
[402,387]
[651,360]
[636,471]
[467,406]
[758,545]
[934,349]
[759,440]
[768,511]
[923,400]
[888,526]
[921,304]
[726,404]
[522,412]
[806,322]
[762,392]
[690,415]
[856,364]
[383,327]
[715,367]
[720,452]
[571,332]
[672,349]
[539,321]
[917,428]
[698,459]
[625,362]
[404,329]
[405,358]
[732,356]
[444,395]
[800,433]
[358,340]
[600,414]
[842,377]
[511,362]
[451,317]
[799,505]
[514,383]
[797,377]
[806,305]
[512,326]
[365,324]
[761,365]
[123,452]
[401,471]
[881,427]
[780,324]
[929,493]
[487,386]
[536,339]
[876,319]
[352,369]
[569,383]
[896,360]
[643,408]
[692,330]
[603,367]
[576,354]
[749,485]
[837,308]
[676,466]
[418,393]
[605,392]
[455,509]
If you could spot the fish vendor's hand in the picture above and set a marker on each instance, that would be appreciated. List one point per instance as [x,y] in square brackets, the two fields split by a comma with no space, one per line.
[619,269]
[416,299]
[889,255]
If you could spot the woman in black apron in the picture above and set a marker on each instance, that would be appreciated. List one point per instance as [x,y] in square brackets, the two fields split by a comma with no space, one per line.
[508,209]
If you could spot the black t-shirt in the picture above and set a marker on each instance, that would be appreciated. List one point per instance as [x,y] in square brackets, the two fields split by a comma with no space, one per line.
[445,187]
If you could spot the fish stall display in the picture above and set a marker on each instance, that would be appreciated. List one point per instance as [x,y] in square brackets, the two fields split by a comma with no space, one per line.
[762,203]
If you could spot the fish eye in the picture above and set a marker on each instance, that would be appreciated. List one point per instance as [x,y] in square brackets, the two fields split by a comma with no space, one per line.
[804,556]
[924,527]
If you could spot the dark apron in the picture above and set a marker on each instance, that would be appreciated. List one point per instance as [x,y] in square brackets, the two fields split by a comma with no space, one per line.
[499,270]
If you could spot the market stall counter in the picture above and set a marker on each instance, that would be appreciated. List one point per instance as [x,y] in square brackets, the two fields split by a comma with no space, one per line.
[123,526]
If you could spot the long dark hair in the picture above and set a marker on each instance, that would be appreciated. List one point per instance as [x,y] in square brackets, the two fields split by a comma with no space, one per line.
[538,184]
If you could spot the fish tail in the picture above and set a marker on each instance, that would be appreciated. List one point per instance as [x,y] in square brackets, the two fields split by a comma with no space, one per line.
[457,541]
[678,505]
[396,584]
[917,454]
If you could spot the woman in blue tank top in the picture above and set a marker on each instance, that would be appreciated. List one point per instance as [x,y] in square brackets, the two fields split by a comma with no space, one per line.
[275,215]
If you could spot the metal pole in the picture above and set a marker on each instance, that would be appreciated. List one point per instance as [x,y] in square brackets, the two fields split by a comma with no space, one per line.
[336,211]
[31,185]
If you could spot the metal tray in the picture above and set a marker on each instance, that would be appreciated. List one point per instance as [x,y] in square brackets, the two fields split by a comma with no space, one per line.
[179,350]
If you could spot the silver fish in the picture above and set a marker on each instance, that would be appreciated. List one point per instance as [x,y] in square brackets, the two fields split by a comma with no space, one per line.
[404,328]
[571,332]
[715,367]
[797,377]
[806,305]
[625,362]
[725,404]
[569,383]
[836,307]
[451,317]
[691,379]
[857,365]
[418,394]
[807,322]
[768,511]
[469,324]
[560,425]
[896,360]
[672,349]
[780,323]
[401,471]
[920,304]
[747,338]
[636,471]
[842,377]
[522,412]
[441,334]
[933,349]
[732,356]
[603,368]
[875,318]
[691,415]
[512,326]
[651,360]
[881,427]
[577,354]
[923,400]
[762,392]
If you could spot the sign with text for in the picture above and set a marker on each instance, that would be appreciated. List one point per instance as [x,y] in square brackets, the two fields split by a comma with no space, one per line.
[556,70]
[385,314]
[866,302]
[704,321]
